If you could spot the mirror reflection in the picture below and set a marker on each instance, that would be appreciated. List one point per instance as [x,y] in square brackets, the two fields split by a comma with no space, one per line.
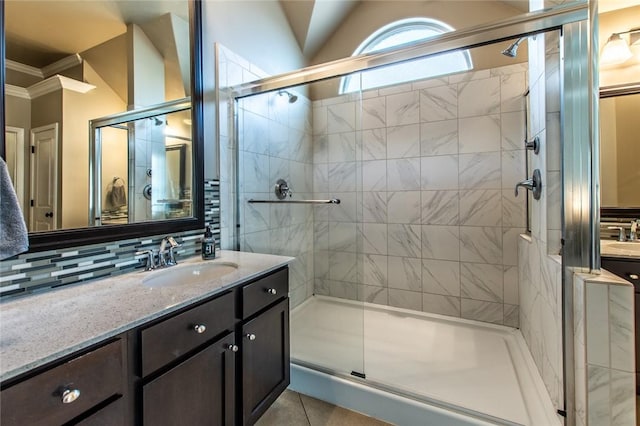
[106,57]
[620,150]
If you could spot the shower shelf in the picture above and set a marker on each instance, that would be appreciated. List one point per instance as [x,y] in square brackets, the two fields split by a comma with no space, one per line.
[331,201]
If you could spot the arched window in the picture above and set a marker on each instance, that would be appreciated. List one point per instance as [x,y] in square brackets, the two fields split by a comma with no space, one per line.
[395,34]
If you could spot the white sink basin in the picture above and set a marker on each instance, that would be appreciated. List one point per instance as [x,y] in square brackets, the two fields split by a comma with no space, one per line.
[189,274]
[625,246]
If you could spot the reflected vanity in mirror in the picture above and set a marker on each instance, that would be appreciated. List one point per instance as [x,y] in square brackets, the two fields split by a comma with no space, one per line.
[103,120]
[620,151]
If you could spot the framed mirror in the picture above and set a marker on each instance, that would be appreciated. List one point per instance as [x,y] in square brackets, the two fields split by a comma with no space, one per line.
[619,151]
[128,60]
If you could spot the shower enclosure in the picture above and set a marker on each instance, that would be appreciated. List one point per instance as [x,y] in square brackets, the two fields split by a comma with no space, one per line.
[397,202]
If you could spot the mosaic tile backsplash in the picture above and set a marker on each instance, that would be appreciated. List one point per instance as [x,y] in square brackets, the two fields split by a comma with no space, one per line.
[32,272]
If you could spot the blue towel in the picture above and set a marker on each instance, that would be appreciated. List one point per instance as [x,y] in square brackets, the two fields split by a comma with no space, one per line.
[14,238]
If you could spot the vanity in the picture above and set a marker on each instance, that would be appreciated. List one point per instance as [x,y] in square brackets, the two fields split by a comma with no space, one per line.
[208,345]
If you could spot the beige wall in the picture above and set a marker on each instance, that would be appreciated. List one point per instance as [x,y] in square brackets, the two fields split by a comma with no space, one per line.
[628,144]
[617,21]
[608,154]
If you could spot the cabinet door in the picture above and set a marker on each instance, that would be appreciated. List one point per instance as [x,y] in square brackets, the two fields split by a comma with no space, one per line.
[199,391]
[265,360]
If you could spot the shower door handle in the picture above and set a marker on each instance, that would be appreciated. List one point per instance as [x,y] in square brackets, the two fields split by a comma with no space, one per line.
[534,185]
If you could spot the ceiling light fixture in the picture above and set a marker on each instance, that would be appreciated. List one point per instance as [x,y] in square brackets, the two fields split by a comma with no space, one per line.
[616,50]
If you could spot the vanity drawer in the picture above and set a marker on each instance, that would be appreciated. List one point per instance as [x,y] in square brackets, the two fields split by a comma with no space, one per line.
[626,269]
[96,375]
[265,291]
[177,335]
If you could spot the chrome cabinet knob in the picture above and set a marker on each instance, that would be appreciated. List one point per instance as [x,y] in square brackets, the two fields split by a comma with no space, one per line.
[634,276]
[233,348]
[272,291]
[199,328]
[250,336]
[70,395]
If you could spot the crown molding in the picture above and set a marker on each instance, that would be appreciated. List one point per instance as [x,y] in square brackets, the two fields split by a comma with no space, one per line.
[16,91]
[25,69]
[58,82]
[61,65]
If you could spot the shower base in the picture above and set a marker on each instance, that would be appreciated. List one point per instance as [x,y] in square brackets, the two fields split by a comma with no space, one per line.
[419,368]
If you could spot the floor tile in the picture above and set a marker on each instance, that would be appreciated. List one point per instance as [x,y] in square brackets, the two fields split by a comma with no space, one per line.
[321,413]
[287,410]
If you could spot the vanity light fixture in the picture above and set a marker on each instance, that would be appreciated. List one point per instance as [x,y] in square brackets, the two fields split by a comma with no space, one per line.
[616,50]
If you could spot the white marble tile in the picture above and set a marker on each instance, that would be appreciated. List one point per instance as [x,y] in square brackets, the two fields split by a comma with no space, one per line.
[430,82]
[621,327]
[278,140]
[510,238]
[469,75]
[374,113]
[378,295]
[341,117]
[443,305]
[597,323]
[255,127]
[512,130]
[598,385]
[439,172]
[342,147]
[320,149]
[403,174]
[482,311]
[404,207]
[342,177]
[553,142]
[403,108]
[439,138]
[481,282]
[514,213]
[374,144]
[511,315]
[439,103]
[256,173]
[342,236]
[393,89]
[403,141]
[480,170]
[257,242]
[440,242]
[481,244]
[623,398]
[320,121]
[374,238]
[404,240]
[374,207]
[440,207]
[509,69]
[512,88]
[405,273]
[256,216]
[513,168]
[554,200]
[441,277]
[510,280]
[479,134]
[346,211]
[405,299]
[321,178]
[374,270]
[278,169]
[479,97]
[321,264]
[482,207]
[343,266]
[374,175]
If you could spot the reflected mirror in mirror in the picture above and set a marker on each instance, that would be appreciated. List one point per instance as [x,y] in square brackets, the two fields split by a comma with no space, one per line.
[142,173]
[620,150]
[105,57]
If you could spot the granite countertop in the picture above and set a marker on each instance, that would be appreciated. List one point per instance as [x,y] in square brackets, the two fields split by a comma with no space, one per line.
[37,329]
[623,250]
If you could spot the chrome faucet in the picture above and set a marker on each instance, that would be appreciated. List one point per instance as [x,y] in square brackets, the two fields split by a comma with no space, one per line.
[633,234]
[621,235]
[150,260]
[167,255]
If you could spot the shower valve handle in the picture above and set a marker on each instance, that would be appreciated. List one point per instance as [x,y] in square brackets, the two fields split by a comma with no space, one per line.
[534,185]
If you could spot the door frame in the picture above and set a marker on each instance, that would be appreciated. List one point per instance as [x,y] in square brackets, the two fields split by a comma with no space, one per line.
[21,167]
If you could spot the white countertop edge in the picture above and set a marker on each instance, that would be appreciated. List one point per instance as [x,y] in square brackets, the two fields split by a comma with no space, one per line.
[27,303]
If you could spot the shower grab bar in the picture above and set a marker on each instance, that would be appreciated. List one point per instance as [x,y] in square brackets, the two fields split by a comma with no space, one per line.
[331,201]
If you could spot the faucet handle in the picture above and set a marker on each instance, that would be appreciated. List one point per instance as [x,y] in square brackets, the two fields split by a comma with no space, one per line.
[621,235]
[633,234]
[150,259]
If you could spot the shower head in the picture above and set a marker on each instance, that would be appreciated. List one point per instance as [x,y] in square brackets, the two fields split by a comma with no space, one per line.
[512,50]
[292,97]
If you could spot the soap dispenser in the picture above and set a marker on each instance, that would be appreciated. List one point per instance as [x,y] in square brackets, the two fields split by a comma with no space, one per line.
[208,245]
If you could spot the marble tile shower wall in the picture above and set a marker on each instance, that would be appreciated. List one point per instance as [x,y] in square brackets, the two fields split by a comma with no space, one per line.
[540,276]
[425,172]
[274,142]
[41,271]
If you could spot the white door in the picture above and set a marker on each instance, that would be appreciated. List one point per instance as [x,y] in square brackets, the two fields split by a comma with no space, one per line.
[14,150]
[44,178]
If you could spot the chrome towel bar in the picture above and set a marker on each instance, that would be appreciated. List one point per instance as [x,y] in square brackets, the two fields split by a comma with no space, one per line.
[331,201]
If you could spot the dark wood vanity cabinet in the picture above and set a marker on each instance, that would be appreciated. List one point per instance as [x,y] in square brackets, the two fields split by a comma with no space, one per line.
[221,361]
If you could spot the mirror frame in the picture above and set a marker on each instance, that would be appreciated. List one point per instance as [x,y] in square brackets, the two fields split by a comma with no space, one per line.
[609,92]
[65,238]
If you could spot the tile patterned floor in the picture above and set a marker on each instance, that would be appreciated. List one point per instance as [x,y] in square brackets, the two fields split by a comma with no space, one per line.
[294,409]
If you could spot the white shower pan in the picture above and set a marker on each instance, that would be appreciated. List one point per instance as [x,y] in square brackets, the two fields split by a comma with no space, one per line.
[421,369]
